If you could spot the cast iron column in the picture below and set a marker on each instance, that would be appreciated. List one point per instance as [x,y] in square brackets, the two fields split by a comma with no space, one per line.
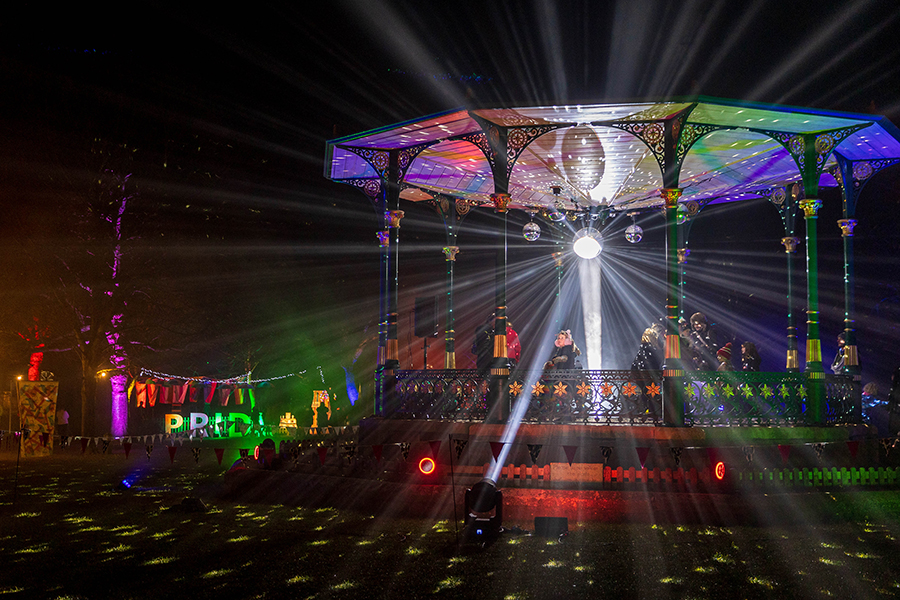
[450,253]
[498,398]
[673,371]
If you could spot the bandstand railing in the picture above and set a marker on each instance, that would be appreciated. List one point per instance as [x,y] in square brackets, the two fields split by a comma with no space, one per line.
[734,399]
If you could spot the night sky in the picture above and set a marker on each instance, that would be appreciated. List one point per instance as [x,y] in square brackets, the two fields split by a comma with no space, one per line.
[246,249]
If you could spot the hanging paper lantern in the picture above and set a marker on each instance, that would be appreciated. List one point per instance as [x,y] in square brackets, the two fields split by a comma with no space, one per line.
[531,231]
[634,233]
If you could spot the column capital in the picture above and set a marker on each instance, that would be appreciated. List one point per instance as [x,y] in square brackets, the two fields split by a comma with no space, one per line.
[847,226]
[501,202]
[393,218]
[450,252]
[790,244]
[671,196]
[810,207]
[384,238]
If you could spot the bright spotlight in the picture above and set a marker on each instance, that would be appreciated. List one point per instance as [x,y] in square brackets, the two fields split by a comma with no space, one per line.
[587,243]
[426,466]
[720,470]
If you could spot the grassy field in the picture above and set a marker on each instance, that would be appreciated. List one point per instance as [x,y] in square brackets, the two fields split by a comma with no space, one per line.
[75,532]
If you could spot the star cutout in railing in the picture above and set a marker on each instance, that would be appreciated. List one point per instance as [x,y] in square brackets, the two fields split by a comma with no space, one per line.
[629,389]
[652,390]
[584,389]
[688,390]
[538,389]
[606,389]
[785,391]
[709,391]
[515,388]
[766,391]
[802,390]
[560,389]
[747,391]
[728,390]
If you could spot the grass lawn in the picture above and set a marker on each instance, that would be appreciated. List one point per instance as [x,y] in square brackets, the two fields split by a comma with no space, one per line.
[74,533]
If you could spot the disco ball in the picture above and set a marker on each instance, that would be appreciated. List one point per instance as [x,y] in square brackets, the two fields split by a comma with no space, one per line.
[682,214]
[531,231]
[633,233]
[555,215]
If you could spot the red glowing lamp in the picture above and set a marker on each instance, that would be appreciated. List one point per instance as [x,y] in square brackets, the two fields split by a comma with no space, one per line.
[427,466]
[719,470]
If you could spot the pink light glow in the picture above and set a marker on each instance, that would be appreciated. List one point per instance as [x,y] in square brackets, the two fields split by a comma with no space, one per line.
[119,404]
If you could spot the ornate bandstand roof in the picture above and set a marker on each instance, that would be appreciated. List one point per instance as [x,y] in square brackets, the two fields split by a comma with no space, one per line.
[612,154]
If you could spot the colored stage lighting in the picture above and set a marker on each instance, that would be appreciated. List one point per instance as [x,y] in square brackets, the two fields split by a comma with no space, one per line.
[427,466]
[719,471]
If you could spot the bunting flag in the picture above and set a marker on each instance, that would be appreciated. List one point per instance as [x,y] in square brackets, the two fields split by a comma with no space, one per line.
[141,390]
[172,451]
[460,446]
[178,393]
[376,451]
[323,453]
[196,451]
[152,389]
[570,453]
[193,392]
[676,454]
[220,452]
[165,394]
[148,448]
[534,450]
[785,451]
[404,450]
[642,455]
[853,447]
[84,444]
[496,449]
[209,392]
[435,448]
[105,445]
[126,446]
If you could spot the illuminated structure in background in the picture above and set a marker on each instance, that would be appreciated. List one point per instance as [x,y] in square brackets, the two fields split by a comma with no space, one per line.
[572,163]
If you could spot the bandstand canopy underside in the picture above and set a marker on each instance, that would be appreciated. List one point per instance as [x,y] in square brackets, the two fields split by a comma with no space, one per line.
[591,154]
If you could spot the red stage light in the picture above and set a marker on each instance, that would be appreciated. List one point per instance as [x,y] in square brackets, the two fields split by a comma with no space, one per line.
[720,470]
[256,453]
[427,466]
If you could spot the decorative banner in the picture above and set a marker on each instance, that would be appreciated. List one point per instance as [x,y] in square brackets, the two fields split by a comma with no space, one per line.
[820,449]
[323,452]
[220,452]
[642,455]
[676,454]
[853,447]
[460,446]
[570,453]
[496,449]
[785,451]
[376,450]
[748,453]
[172,451]
[534,450]
[404,450]
[84,444]
[37,413]
[245,453]
[149,449]
[126,446]
[435,448]
[105,444]
[196,451]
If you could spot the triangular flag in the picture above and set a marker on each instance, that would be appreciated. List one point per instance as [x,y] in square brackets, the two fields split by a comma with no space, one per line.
[172,451]
[323,452]
[534,450]
[785,451]
[126,446]
[220,452]
[496,449]
[570,453]
[642,455]
[376,450]
[853,447]
[435,448]
[84,444]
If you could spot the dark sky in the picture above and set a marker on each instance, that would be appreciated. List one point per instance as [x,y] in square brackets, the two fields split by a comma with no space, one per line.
[231,107]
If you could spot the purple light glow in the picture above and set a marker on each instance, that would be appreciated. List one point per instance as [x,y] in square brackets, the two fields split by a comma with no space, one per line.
[119,404]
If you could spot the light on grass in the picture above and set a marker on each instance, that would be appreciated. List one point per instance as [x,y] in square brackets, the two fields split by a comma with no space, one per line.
[587,243]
